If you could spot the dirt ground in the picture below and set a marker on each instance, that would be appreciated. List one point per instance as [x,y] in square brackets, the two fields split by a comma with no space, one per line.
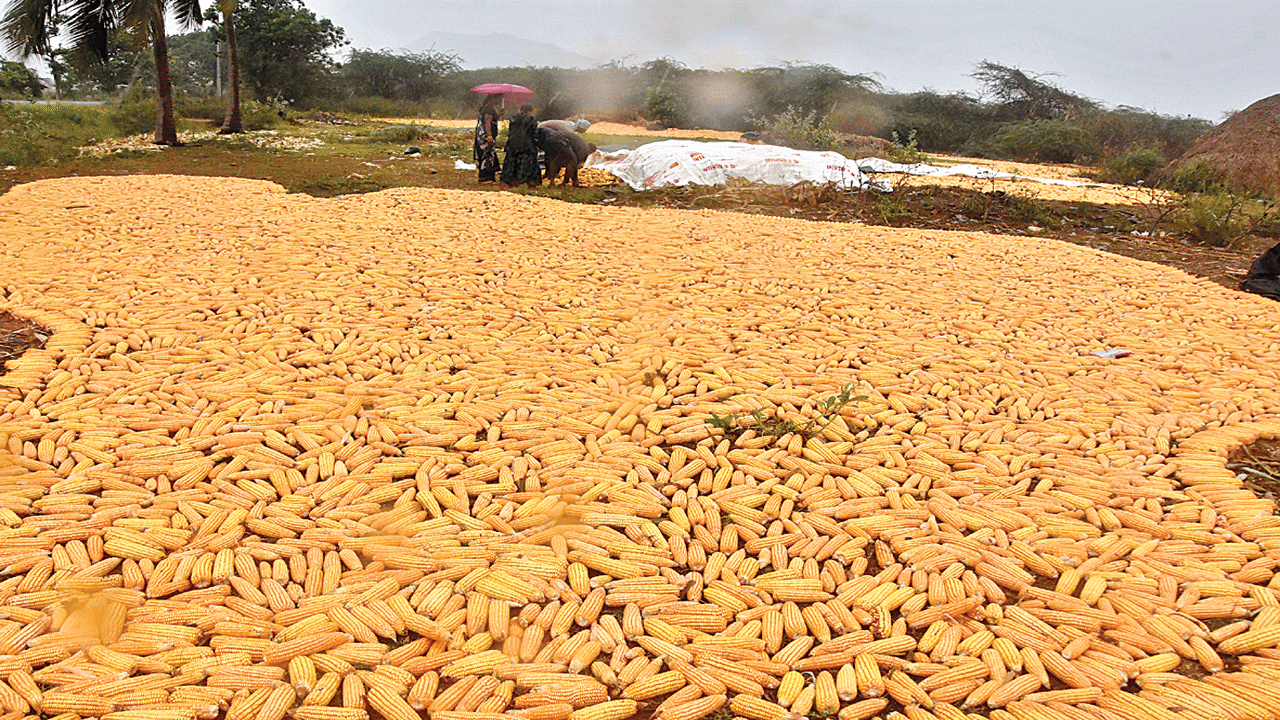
[17,335]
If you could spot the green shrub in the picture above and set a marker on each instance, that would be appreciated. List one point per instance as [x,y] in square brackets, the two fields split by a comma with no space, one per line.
[907,151]
[36,134]
[665,105]
[260,116]
[861,116]
[1126,127]
[18,81]
[1195,176]
[1220,218]
[802,132]
[942,123]
[135,113]
[202,107]
[1132,167]
[1056,141]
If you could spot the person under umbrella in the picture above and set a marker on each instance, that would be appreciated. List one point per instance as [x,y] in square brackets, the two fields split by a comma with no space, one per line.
[521,162]
[485,149]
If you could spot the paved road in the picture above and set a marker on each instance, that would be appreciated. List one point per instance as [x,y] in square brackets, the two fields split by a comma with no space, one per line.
[54,102]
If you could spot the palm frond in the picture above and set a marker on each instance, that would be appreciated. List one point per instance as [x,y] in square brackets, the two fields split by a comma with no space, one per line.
[90,24]
[25,26]
[140,15]
[188,12]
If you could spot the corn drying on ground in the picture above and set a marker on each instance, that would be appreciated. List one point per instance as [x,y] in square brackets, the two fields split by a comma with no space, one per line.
[448,451]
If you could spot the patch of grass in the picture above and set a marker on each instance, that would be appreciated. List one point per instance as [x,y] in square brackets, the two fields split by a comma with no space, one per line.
[1029,210]
[47,134]
[380,107]
[334,186]
[891,207]
[588,196]
[735,424]
[400,134]
[449,145]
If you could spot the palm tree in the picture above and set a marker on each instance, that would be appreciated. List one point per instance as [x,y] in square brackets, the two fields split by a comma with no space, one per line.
[233,122]
[29,24]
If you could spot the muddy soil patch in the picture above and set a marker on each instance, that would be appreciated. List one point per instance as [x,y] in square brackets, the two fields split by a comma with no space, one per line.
[1259,462]
[18,335]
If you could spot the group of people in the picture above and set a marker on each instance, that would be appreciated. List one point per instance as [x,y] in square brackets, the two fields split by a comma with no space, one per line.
[558,140]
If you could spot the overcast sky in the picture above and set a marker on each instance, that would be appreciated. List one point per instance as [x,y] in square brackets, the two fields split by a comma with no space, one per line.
[1178,57]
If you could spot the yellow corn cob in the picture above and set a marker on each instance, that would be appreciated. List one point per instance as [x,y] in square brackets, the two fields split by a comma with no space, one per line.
[1251,640]
[755,708]
[304,646]
[789,688]
[869,680]
[654,685]
[826,698]
[1074,696]
[1064,670]
[1163,662]
[478,664]
[863,710]
[550,711]
[693,709]
[577,694]
[302,674]
[389,705]
[54,703]
[1015,689]
[326,688]
[612,710]
[329,713]
[967,671]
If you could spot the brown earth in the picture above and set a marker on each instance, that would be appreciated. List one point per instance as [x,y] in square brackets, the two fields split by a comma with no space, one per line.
[17,335]
[1245,148]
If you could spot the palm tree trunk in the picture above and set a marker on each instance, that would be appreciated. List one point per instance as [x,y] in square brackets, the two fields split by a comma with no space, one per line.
[233,123]
[166,127]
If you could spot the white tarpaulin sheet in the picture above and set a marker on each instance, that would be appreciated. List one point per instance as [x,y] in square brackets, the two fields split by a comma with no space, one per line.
[876,165]
[684,162]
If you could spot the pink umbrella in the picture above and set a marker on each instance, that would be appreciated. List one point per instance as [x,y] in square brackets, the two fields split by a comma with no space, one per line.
[503,89]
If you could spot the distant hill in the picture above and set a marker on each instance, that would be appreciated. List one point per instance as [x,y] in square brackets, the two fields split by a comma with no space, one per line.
[500,50]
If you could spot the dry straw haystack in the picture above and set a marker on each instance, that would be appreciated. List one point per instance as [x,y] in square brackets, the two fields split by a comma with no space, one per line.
[1245,148]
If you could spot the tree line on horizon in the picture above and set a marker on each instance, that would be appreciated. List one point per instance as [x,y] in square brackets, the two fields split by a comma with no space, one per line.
[286,57]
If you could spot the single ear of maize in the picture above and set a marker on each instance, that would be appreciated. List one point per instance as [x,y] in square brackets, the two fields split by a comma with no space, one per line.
[694,709]
[756,708]
[612,710]
[654,685]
